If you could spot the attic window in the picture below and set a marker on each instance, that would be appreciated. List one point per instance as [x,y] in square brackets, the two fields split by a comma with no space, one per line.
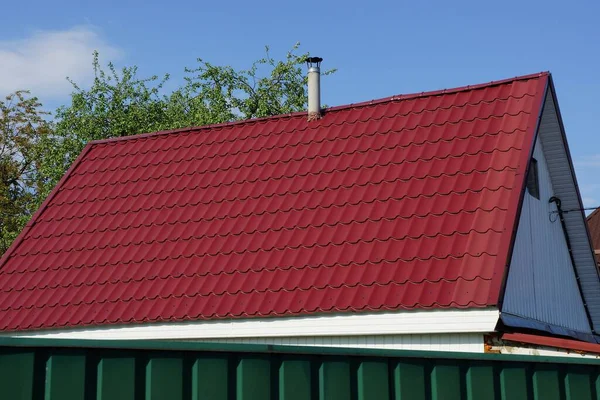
[533,182]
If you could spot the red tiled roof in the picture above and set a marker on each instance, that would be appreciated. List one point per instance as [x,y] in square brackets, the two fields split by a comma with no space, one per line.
[408,202]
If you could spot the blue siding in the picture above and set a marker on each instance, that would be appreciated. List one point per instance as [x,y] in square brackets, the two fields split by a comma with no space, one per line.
[565,187]
[541,284]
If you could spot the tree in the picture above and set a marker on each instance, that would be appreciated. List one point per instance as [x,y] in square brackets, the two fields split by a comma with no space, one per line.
[22,127]
[121,104]
[116,104]
[214,94]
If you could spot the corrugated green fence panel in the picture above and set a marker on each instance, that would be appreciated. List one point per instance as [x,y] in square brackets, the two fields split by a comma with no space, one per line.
[254,379]
[445,382]
[409,381]
[209,379]
[172,371]
[164,378]
[513,383]
[294,380]
[373,383]
[545,384]
[65,377]
[334,381]
[116,379]
[480,382]
[578,385]
[16,375]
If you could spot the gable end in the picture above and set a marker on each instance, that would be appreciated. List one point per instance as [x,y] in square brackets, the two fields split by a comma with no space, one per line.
[553,283]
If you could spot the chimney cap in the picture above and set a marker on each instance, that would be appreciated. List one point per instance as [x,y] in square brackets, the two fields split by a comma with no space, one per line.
[313,60]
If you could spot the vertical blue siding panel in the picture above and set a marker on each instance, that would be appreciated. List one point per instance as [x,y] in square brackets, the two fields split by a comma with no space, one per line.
[541,283]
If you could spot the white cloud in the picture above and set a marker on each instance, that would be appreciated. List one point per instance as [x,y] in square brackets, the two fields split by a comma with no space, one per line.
[42,61]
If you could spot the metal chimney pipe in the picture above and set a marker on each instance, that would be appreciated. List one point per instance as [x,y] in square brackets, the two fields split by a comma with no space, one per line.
[314,88]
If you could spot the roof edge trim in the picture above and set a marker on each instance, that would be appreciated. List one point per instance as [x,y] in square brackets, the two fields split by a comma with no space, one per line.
[326,110]
[515,321]
[385,323]
[580,201]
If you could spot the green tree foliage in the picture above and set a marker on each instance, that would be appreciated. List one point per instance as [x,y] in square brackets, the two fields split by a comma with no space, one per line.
[120,103]
[22,127]
[214,94]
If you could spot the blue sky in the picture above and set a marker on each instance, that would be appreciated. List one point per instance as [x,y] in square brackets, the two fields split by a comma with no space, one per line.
[380,48]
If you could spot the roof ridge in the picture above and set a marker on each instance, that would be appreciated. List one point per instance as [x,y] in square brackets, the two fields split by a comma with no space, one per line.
[327,110]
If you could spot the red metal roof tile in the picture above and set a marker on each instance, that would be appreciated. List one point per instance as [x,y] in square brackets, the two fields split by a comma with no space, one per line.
[400,203]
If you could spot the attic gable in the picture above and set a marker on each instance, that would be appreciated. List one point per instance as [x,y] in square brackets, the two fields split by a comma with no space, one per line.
[553,283]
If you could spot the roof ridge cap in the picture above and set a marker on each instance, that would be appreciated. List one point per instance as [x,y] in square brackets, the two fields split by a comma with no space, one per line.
[441,91]
[326,110]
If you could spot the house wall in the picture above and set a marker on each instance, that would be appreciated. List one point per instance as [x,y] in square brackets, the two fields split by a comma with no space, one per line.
[436,330]
[541,284]
[463,342]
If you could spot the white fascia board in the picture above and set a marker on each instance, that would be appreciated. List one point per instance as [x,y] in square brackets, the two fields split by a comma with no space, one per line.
[348,324]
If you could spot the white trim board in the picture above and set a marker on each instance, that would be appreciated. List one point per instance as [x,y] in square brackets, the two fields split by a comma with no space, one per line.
[456,342]
[347,324]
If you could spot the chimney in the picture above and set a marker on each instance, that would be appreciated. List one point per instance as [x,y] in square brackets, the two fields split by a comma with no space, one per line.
[314,87]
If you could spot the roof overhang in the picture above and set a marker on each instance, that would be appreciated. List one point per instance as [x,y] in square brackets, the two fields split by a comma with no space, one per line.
[561,168]
[387,323]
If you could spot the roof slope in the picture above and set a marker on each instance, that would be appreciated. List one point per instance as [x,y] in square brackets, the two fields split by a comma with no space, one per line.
[593,223]
[403,203]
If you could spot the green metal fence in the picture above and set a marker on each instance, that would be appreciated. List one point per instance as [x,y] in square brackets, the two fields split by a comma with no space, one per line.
[115,370]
